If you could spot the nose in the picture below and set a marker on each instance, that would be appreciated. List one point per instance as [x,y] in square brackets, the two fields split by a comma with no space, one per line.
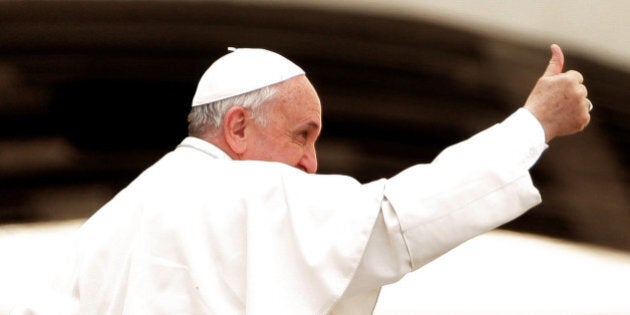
[308,162]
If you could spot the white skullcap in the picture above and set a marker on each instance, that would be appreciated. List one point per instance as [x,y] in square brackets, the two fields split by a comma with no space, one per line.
[243,70]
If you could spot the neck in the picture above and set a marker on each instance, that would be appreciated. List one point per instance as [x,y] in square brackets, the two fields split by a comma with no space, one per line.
[219,142]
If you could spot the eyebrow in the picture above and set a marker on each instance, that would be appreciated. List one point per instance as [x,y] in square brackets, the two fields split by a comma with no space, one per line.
[313,125]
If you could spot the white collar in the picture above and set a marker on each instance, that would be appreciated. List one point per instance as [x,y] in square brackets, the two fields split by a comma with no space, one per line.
[204,146]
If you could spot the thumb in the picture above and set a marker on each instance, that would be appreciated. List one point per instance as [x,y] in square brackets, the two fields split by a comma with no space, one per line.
[556,63]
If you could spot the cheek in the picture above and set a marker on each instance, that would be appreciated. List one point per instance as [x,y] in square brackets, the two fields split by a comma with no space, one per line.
[279,150]
[289,153]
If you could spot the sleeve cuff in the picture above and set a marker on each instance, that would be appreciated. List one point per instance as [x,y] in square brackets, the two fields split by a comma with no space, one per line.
[523,128]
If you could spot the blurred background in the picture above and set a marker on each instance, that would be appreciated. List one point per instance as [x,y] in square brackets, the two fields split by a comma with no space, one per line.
[93,92]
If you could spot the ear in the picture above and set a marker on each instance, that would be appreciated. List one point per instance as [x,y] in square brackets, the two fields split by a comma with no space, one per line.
[234,124]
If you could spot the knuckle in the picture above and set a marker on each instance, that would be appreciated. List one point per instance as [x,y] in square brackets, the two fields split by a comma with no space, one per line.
[585,118]
[583,90]
[566,81]
[575,75]
[578,91]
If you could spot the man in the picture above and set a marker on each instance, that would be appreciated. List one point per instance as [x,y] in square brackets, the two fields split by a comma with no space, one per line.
[234,221]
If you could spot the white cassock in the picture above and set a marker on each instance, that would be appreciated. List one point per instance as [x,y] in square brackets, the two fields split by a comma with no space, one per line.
[199,233]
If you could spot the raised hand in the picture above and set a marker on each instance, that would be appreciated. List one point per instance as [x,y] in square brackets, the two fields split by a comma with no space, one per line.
[558,99]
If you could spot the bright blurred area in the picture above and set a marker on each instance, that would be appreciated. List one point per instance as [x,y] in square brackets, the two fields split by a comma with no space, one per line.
[509,273]
[498,273]
[92,92]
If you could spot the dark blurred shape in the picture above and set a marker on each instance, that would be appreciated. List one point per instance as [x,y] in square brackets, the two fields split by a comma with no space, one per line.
[112,114]
[95,91]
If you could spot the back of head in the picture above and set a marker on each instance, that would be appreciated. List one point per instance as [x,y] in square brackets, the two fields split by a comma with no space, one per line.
[242,77]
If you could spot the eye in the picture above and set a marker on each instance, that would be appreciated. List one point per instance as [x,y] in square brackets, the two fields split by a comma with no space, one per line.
[301,137]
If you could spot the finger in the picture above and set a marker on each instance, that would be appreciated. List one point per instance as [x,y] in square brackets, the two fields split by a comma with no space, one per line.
[576,76]
[587,118]
[582,90]
[589,105]
[556,63]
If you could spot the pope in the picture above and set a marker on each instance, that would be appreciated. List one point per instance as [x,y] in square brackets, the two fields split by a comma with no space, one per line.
[235,220]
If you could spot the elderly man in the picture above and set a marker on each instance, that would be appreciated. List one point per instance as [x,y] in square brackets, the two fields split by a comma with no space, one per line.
[234,221]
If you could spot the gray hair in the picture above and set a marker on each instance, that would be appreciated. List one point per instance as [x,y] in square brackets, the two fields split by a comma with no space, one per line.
[210,116]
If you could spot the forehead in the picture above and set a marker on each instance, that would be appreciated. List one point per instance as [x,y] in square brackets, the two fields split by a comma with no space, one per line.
[297,99]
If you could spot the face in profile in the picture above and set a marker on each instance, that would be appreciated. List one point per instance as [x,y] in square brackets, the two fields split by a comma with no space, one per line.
[294,124]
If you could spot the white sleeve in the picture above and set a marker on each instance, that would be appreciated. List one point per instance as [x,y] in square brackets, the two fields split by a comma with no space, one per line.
[470,188]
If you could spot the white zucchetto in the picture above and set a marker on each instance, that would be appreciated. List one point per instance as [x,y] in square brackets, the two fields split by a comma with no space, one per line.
[243,70]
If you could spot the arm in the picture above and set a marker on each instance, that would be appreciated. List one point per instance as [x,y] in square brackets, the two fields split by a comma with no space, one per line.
[428,209]
[471,187]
